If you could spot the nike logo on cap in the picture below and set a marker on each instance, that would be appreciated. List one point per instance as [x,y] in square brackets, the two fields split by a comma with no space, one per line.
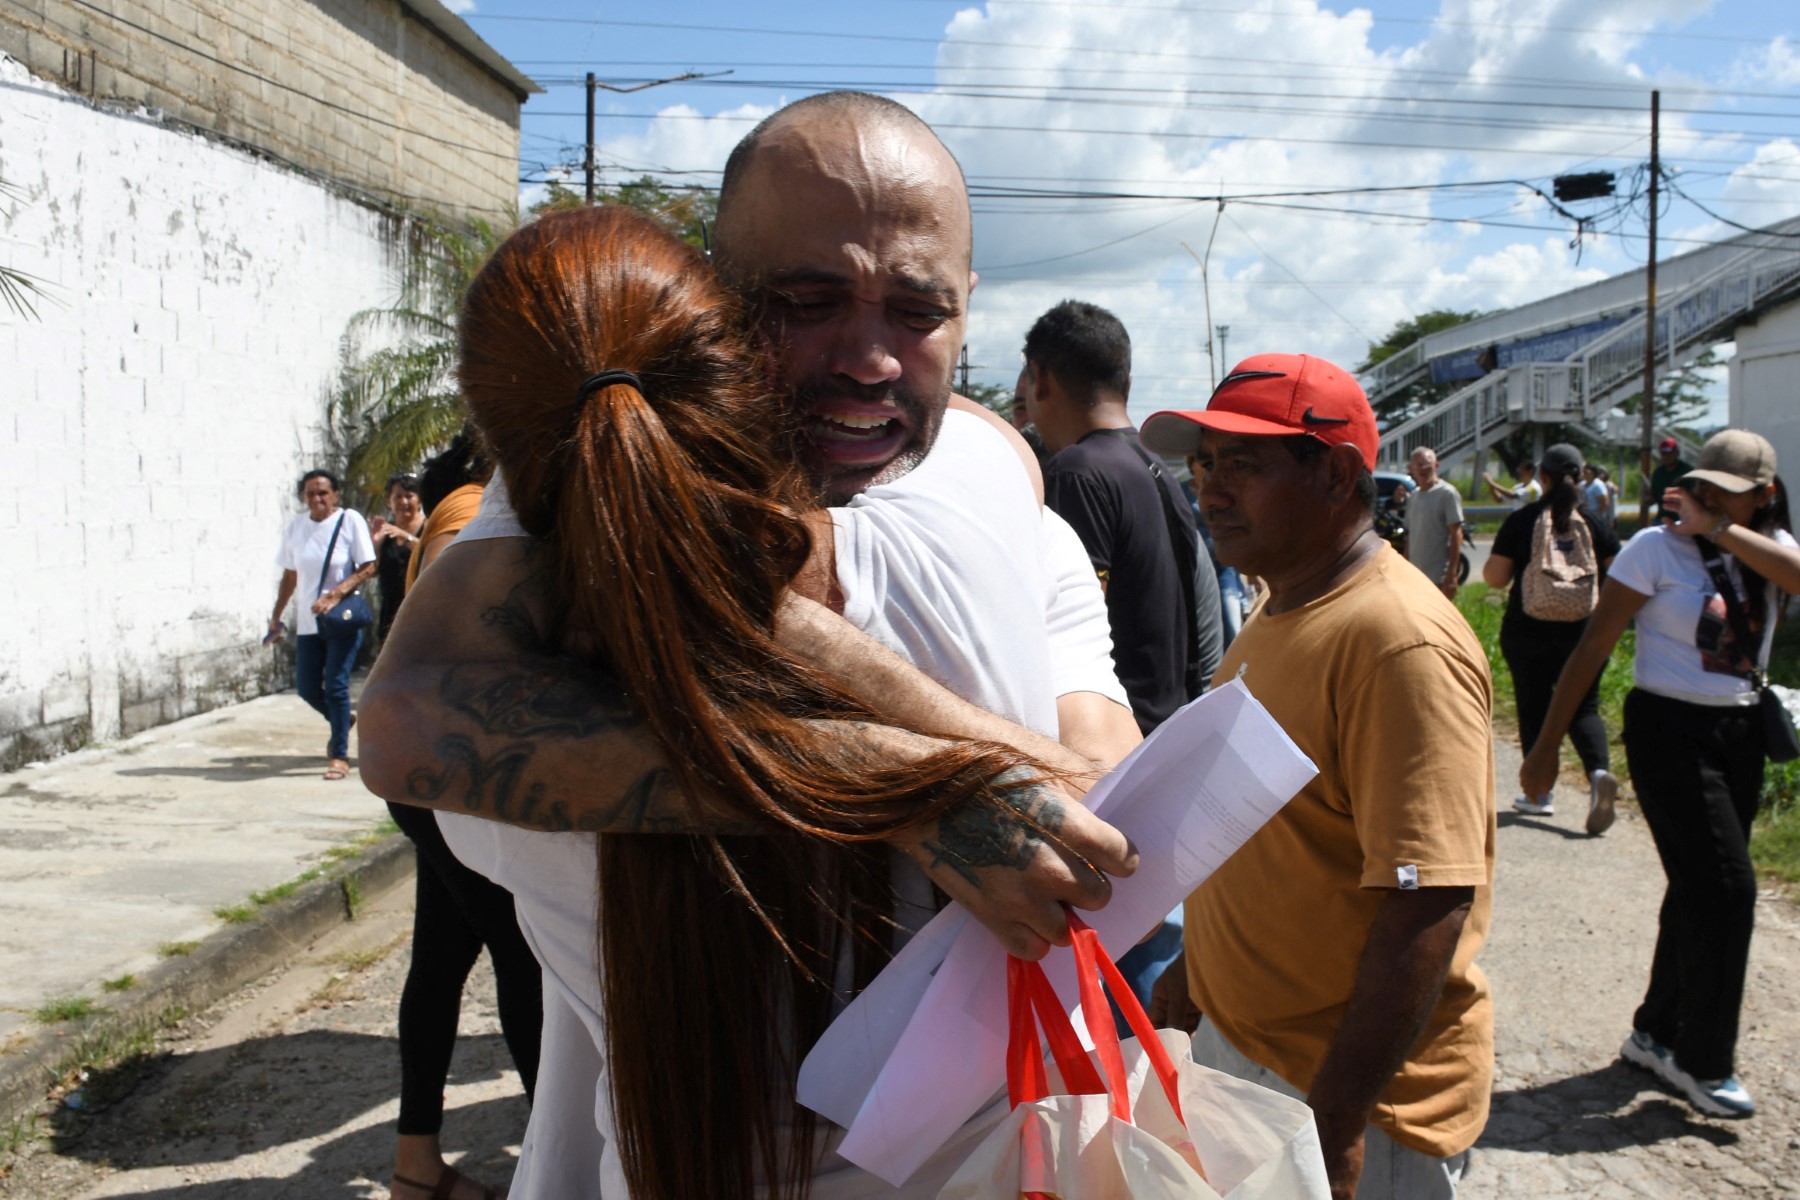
[1244,376]
[1311,418]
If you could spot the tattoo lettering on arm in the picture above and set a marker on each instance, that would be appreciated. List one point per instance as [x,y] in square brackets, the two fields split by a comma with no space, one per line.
[974,837]
[494,784]
[557,699]
[499,786]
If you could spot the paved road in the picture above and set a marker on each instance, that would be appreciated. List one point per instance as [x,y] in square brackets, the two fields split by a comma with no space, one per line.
[287,1090]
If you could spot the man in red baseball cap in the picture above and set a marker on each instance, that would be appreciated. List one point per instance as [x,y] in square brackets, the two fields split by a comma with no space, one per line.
[1333,955]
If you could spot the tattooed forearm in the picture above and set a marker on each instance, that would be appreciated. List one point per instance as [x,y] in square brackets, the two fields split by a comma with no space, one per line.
[492,786]
[972,837]
[551,699]
[501,787]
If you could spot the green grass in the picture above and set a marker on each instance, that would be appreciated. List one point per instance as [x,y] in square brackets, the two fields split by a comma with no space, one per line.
[177,949]
[65,1008]
[235,914]
[1775,838]
[353,896]
[282,891]
[123,983]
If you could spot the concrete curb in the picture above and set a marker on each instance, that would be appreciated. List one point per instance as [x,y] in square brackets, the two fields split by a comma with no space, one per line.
[224,962]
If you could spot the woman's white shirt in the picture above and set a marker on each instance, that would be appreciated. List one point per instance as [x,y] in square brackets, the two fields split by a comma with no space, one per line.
[1685,647]
[303,552]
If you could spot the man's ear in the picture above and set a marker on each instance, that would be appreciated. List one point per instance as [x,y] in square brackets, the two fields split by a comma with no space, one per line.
[1344,466]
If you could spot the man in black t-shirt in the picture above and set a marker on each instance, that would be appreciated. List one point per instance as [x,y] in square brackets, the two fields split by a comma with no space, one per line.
[1162,596]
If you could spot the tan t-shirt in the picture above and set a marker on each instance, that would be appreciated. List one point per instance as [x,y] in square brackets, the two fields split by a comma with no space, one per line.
[1384,686]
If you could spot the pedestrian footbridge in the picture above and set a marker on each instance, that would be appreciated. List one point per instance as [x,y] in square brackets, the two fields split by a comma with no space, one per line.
[1570,359]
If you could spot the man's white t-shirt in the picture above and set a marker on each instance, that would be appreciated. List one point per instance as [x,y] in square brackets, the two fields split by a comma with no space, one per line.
[303,549]
[1685,647]
[955,568]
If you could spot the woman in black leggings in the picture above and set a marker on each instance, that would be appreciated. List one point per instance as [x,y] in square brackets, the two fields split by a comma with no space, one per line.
[457,913]
[1535,649]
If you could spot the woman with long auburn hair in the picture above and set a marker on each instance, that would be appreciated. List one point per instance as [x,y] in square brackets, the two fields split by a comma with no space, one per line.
[618,387]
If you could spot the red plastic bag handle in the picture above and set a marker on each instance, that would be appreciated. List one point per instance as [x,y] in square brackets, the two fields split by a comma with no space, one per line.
[1031,1001]
[1029,995]
[1091,959]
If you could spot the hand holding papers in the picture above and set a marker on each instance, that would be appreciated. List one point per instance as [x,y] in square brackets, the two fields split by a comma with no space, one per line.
[923,1048]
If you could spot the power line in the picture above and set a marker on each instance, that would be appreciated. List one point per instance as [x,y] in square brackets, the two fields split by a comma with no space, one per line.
[1374,73]
[1434,22]
[1369,143]
[1723,220]
[1038,262]
[1237,225]
[1119,96]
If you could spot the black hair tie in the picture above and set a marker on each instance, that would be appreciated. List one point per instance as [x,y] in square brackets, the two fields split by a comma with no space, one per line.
[594,383]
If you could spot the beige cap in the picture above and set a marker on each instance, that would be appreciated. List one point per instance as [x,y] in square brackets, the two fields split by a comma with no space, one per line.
[1736,460]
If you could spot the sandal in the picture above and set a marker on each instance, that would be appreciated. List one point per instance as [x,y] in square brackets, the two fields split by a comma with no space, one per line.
[446,1184]
[338,769]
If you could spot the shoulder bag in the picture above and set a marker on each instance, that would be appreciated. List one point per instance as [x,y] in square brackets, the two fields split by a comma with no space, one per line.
[1187,564]
[1780,741]
[349,616]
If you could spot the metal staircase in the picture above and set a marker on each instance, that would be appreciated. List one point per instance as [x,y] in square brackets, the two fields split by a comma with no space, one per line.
[1584,388]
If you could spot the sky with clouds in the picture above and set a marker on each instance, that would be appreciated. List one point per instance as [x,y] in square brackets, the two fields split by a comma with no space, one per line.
[1374,162]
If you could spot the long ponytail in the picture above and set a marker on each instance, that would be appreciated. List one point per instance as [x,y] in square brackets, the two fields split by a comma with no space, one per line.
[1560,475]
[673,515]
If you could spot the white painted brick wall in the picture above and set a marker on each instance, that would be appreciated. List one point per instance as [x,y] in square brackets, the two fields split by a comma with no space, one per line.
[153,421]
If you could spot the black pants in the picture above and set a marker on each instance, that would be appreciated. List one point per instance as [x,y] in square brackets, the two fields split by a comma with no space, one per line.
[1535,662]
[1698,775]
[457,912]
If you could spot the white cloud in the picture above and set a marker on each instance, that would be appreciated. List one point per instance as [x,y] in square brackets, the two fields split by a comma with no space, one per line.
[1190,103]
[1774,65]
[460,7]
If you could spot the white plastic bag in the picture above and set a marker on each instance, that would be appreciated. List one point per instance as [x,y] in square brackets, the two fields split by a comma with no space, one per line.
[1137,1119]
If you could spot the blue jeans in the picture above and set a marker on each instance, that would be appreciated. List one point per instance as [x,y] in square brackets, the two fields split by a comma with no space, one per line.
[322,677]
[1144,964]
[1231,603]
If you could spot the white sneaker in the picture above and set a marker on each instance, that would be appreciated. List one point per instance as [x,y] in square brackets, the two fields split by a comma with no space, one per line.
[1602,791]
[1715,1097]
[1642,1050]
[1545,807]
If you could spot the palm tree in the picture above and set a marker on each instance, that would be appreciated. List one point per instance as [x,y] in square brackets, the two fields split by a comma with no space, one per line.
[396,399]
[17,287]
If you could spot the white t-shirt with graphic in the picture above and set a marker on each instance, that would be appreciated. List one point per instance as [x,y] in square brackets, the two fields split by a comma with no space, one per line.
[1685,647]
[303,552]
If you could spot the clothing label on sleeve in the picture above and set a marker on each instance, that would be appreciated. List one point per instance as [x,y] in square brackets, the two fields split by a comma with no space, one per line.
[1409,877]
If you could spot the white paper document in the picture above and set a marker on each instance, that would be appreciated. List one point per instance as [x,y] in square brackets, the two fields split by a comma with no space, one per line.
[923,1049]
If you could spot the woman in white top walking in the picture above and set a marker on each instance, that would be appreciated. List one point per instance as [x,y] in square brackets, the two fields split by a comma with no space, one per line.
[329,549]
[1695,744]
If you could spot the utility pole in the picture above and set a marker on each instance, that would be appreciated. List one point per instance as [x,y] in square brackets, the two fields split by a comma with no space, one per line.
[1649,423]
[1212,373]
[588,161]
[1224,359]
[962,367]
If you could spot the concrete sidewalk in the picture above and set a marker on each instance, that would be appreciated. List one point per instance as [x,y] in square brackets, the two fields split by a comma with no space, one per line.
[114,857]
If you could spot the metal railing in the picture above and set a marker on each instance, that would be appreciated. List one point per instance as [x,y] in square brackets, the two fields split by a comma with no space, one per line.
[1613,366]
[1393,372]
[1584,388]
